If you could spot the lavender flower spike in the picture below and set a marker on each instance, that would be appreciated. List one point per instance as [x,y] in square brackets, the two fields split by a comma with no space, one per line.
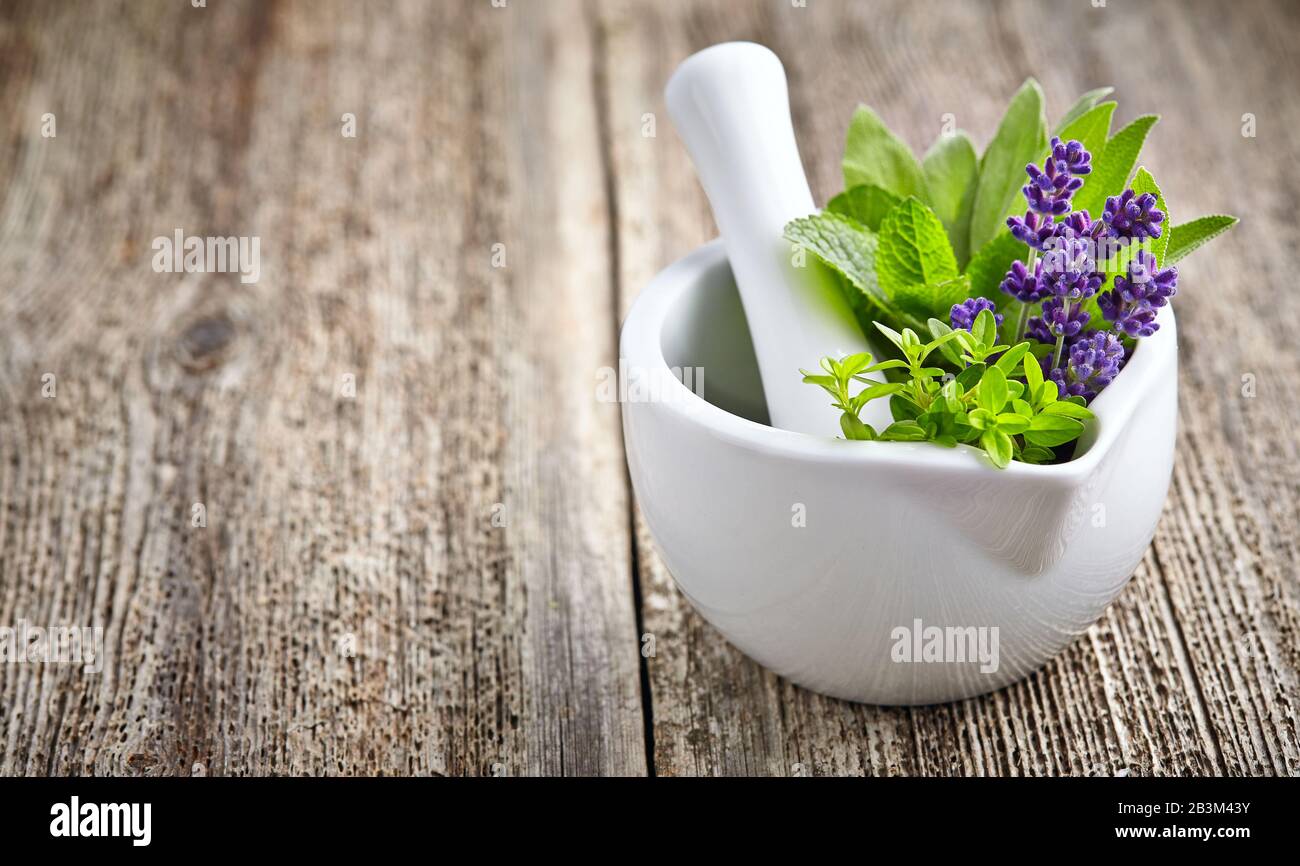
[1078,161]
[1094,360]
[1133,216]
[1031,229]
[1132,304]
[1024,286]
[1063,318]
[963,315]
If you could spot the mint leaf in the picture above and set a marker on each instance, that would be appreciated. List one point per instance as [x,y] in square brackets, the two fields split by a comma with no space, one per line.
[866,203]
[1085,102]
[1020,139]
[846,246]
[989,266]
[1188,237]
[951,172]
[1112,167]
[913,250]
[1143,182]
[1091,129]
[874,155]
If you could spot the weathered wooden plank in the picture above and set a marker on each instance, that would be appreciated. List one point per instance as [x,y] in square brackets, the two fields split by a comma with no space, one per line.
[351,606]
[1193,670]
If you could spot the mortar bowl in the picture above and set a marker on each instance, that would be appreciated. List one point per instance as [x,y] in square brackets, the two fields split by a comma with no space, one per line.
[882,572]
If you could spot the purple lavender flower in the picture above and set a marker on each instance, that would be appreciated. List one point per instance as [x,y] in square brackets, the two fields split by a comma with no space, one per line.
[1037,329]
[1132,304]
[1136,320]
[1069,268]
[1133,216]
[1024,286]
[1094,360]
[1146,282]
[963,315]
[1050,188]
[1077,160]
[1063,318]
[1031,229]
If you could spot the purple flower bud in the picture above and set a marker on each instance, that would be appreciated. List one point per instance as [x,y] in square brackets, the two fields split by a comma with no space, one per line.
[1080,224]
[1094,360]
[1037,329]
[963,315]
[1071,154]
[1136,320]
[1050,187]
[1133,216]
[1024,286]
[1063,318]
[1146,282]
[1031,229]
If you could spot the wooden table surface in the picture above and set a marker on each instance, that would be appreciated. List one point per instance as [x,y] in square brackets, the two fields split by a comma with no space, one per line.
[421,552]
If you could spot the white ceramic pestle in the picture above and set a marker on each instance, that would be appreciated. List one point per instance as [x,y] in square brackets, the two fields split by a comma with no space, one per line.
[731,106]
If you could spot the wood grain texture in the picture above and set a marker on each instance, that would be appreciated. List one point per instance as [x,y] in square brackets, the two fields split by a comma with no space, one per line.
[352,606]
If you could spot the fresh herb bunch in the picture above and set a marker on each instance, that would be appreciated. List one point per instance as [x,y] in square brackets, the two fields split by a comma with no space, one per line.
[959,246]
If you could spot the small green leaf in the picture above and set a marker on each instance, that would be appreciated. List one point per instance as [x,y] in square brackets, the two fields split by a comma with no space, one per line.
[943,340]
[881,389]
[894,337]
[992,394]
[998,446]
[1084,103]
[1112,167]
[874,155]
[855,429]
[1190,236]
[1020,139]
[913,249]
[980,418]
[970,377]
[1068,409]
[865,203]
[1012,423]
[1046,394]
[1033,375]
[904,431]
[985,329]
[1011,357]
[1050,430]
[951,170]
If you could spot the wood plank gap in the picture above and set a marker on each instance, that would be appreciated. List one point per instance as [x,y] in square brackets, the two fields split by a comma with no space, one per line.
[601,93]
